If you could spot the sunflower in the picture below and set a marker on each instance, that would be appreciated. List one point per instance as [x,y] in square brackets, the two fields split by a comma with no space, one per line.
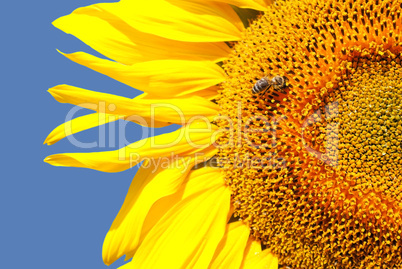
[300,174]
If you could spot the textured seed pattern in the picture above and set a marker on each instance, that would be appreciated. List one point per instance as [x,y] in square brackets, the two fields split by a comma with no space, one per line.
[316,169]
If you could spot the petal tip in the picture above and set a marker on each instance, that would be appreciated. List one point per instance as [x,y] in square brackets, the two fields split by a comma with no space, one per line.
[62,53]
[58,23]
[53,160]
[49,140]
[48,159]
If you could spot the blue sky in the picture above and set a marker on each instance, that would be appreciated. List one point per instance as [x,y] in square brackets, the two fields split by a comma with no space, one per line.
[52,217]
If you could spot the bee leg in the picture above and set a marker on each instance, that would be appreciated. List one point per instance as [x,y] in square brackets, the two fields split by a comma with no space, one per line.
[264,91]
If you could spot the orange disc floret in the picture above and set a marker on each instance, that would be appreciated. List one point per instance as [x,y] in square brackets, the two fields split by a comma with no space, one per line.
[315,168]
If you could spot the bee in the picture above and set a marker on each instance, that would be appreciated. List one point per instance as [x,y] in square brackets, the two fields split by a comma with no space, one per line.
[264,84]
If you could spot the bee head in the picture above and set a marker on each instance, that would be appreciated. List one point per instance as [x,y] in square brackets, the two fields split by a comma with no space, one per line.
[285,81]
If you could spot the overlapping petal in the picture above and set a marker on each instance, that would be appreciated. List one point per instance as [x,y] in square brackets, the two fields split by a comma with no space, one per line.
[230,251]
[188,234]
[145,111]
[263,260]
[153,181]
[199,179]
[253,4]
[192,138]
[89,121]
[114,38]
[172,217]
[159,79]
[252,249]
[179,20]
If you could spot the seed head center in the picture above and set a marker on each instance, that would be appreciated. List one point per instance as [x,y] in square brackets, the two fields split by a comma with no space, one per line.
[315,167]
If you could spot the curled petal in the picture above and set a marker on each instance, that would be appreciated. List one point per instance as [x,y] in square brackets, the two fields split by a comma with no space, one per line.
[145,111]
[230,251]
[200,217]
[179,20]
[117,40]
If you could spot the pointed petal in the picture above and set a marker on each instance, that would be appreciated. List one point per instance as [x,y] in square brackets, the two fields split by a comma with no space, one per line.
[79,124]
[146,110]
[179,20]
[147,187]
[89,121]
[188,234]
[229,253]
[186,141]
[100,33]
[151,183]
[121,42]
[199,180]
[160,79]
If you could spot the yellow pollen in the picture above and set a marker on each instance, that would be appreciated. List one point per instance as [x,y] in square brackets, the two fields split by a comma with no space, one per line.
[315,168]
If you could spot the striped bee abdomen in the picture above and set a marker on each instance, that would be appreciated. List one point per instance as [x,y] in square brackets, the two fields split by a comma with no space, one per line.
[261,85]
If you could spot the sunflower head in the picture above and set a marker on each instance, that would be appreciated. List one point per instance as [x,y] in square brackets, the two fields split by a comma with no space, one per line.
[295,108]
[315,168]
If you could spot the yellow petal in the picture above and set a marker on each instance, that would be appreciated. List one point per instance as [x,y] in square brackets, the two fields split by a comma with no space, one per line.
[144,111]
[159,79]
[199,180]
[186,141]
[151,183]
[89,121]
[263,260]
[229,253]
[253,4]
[210,93]
[79,124]
[188,234]
[179,20]
[114,38]
[252,249]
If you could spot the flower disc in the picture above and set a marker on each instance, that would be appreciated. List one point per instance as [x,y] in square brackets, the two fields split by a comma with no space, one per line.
[315,167]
